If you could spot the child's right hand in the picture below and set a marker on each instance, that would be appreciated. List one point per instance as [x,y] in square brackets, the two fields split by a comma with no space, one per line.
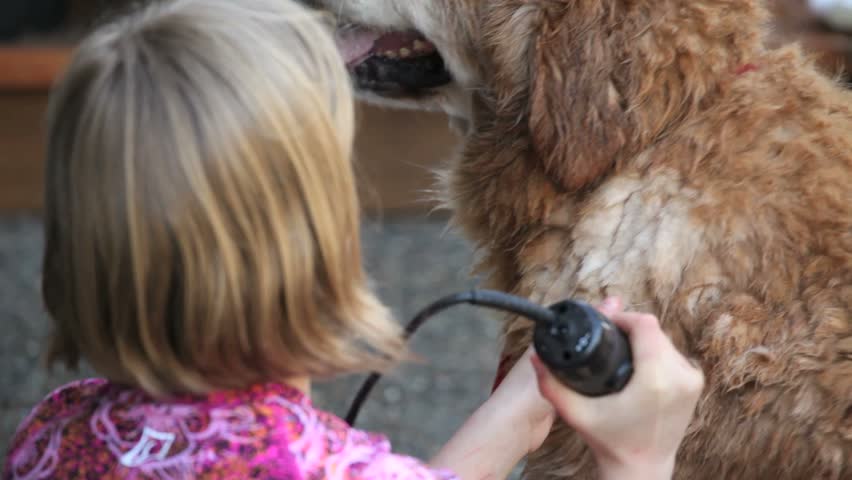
[636,432]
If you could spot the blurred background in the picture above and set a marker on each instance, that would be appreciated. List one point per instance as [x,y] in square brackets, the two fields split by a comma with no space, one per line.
[409,251]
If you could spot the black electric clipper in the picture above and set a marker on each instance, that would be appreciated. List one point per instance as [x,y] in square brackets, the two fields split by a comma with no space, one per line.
[584,350]
[580,346]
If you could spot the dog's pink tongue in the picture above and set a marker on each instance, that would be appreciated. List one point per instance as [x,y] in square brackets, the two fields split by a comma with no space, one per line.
[355,44]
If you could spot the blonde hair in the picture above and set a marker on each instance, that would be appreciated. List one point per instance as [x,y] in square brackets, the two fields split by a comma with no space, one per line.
[202,224]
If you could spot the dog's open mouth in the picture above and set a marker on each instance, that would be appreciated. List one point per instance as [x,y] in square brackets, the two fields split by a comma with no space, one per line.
[392,63]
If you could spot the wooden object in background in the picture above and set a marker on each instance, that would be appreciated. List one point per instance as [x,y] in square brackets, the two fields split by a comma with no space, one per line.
[21,151]
[396,155]
[30,69]
[26,74]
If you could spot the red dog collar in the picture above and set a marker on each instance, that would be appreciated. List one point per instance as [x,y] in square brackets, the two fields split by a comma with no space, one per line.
[745,68]
[502,371]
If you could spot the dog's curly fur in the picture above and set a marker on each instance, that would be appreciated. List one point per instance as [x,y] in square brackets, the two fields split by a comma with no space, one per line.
[659,151]
[670,159]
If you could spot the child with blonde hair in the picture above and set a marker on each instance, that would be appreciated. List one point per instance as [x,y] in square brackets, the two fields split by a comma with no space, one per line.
[202,254]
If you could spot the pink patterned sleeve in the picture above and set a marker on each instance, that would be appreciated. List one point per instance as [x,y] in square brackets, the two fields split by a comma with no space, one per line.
[326,447]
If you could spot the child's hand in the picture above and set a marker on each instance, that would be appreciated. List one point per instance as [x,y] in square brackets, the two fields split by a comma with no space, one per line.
[636,432]
[519,398]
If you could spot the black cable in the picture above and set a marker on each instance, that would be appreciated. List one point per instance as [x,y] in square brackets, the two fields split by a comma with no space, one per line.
[485,298]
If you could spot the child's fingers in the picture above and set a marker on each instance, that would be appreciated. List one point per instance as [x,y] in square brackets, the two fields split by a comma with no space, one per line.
[567,403]
[655,354]
[632,321]
[646,336]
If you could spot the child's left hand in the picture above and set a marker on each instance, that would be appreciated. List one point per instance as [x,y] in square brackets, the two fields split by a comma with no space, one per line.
[513,422]
[518,395]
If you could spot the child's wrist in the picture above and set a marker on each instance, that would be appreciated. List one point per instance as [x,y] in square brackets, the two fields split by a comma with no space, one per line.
[529,419]
[512,424]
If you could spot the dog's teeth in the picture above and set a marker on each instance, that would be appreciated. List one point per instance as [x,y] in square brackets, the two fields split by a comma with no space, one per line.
[419,46]
[404,52]
[390,54]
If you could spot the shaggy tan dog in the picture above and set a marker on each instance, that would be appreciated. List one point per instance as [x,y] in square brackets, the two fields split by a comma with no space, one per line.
[657,150]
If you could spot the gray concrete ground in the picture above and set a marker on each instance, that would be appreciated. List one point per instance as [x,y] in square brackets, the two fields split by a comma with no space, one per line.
[412,260]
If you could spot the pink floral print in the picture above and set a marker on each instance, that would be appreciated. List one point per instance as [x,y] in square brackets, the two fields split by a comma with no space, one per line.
[94,429]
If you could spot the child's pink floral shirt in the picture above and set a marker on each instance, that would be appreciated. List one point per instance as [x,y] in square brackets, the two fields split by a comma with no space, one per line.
[94,429]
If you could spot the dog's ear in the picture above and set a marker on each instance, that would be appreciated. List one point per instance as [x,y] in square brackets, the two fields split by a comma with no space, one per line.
[578,115]
[608,77]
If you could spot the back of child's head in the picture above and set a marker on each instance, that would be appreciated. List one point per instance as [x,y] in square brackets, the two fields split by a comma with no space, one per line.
[202,224]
